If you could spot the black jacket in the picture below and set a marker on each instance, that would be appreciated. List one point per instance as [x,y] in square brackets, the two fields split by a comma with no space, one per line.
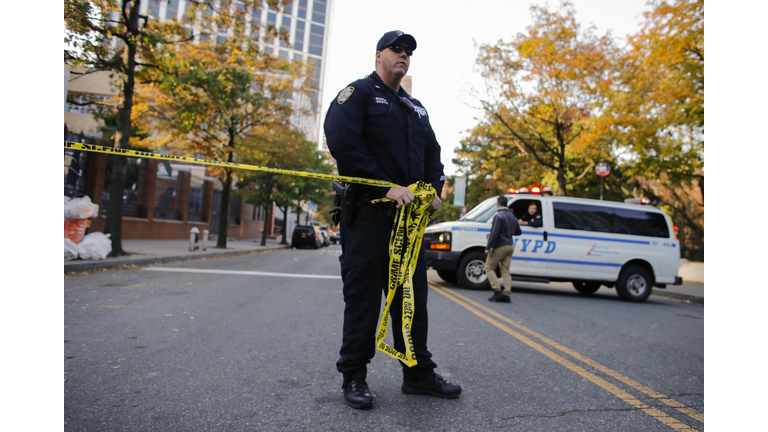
[504,227]
[373,134]
[533,221]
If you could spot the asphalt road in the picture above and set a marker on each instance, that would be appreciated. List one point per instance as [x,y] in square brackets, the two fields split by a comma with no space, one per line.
[250,343]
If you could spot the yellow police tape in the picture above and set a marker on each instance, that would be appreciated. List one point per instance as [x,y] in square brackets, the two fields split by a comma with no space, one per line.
[404,247]
[404,242]
[136,153]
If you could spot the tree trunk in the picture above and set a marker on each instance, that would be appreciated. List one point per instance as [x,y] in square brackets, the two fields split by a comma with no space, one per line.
[561,181]
[221,242]
[114,222]
[269,216]
[285,225]
[268,185]
[113,225]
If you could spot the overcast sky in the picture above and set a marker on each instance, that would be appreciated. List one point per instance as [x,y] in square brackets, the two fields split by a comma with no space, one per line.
[446,32]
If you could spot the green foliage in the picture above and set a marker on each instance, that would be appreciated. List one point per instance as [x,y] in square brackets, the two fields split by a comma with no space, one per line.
[284,148]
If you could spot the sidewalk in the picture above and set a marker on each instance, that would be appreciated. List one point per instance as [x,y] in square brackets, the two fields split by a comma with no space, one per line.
[692,292]
[147,252]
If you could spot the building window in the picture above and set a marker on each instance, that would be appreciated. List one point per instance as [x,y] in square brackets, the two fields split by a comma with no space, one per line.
[318,11]
[303,9]
[255,19]
[316,72]
[173,10]
[195,206]
[286,26]
[234,210]
[75,171]
[316,39]
[154,8]
[80,98]
[298,45]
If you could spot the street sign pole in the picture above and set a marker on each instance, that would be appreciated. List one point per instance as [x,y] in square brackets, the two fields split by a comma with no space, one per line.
[602,169]
[601,188]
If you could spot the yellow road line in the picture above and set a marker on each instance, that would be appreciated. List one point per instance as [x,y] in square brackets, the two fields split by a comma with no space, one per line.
[626,380]
[602,383]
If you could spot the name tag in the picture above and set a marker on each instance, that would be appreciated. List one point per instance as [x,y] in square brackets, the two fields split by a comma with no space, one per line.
[382,101]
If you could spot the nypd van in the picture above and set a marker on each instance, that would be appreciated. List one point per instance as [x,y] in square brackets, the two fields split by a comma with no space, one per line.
[629,246]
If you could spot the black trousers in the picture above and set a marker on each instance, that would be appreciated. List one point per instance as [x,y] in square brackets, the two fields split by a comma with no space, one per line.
[364,271]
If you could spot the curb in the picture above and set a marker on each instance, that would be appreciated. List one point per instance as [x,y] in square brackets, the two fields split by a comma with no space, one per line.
[677,296]
[83,266]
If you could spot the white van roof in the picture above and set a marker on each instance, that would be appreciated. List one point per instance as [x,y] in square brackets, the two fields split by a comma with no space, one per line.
[590,201]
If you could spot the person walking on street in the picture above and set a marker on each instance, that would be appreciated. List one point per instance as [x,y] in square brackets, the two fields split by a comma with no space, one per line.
[376,130]
[499,249]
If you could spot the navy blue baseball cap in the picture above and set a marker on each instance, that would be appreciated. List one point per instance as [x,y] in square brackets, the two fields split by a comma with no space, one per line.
[395,35]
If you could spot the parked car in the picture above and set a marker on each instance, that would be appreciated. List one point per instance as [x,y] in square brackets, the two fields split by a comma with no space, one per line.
[335,238]
[628,246]
[326,241]
[306,235]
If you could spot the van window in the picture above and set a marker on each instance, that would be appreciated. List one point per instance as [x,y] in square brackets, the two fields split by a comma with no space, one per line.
[520,209]
[482,212]
[609,220]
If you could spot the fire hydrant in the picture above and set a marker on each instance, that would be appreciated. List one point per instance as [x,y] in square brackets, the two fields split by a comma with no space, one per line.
[193,246]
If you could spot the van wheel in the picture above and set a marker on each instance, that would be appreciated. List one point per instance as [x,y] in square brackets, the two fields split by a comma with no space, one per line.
[448,275]
[634,284]
[471,271]
[586,287]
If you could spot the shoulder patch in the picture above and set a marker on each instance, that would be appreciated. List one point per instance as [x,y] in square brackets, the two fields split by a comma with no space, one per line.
[344,94]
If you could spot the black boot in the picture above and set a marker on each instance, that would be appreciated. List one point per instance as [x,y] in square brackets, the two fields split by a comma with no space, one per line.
[434,386]
[496,296]
[357,394]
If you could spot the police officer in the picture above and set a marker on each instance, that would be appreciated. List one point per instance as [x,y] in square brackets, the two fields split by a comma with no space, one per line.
[532,218]
[376,130]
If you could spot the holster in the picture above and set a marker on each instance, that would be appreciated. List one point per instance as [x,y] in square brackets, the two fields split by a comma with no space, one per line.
[344,199]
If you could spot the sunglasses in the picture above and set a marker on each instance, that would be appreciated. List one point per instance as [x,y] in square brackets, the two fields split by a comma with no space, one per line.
[399,48]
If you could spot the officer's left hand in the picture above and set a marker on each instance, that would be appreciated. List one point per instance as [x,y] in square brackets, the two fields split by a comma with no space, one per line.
[402,196]
[435,204]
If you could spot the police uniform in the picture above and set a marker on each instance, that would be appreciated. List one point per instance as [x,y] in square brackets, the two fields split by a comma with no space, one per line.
[534,220]
[374,133]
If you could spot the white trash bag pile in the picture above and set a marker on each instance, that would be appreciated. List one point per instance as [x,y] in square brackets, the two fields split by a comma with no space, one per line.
[80,208]
[94,246]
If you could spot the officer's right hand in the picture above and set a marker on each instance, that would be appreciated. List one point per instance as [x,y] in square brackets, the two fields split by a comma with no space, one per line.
[402,196]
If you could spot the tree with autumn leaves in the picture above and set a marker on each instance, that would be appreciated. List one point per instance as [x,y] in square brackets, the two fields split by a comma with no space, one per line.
[113,36]
[545,90]
[657,114]
[559,99]
[283,148]
[215,98]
